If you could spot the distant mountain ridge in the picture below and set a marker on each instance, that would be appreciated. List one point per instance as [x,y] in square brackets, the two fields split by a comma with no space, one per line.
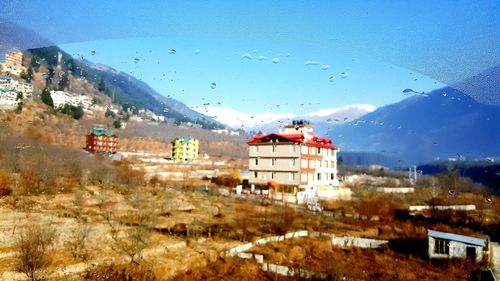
[325,119]
[445,124]
[125,89]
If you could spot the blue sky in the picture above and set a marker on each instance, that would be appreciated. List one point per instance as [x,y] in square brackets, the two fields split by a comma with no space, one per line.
[305,79]
[447,40]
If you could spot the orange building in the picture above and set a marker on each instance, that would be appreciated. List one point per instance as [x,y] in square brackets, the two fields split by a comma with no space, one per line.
[102,141]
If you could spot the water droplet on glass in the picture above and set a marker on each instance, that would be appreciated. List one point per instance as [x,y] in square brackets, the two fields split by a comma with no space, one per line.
[136,60]
[325,66]
[276,60]
[92,52]
[172,51]
[331,78]
[196,52]
[213,85]
[344,74]
[451,193]
[247,56]
[312,62]
[261,58]
[488,201]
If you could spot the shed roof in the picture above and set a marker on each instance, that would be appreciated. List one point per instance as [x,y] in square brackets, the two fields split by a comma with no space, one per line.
[457,237]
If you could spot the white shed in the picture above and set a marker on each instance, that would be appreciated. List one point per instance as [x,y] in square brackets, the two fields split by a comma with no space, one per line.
[449,245]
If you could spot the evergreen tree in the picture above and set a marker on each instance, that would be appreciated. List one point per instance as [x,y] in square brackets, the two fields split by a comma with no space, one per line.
[46,98]
[102,86]
[117,124]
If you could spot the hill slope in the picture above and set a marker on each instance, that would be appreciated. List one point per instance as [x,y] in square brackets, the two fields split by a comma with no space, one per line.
[447,123]
[124,89]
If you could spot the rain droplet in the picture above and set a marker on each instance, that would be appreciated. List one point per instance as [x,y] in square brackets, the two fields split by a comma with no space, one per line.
[197,51]
[276,60]
[325,66]
[451,193]
[136,60]
[488,201]
[261,58]
[344,74]
[247,56]
[331,78]
[213,85]
[172,51]
[444,95]
[312,62]
[92,52]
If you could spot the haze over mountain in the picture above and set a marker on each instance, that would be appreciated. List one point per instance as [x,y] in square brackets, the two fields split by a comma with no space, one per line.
[270,122]
[445,124]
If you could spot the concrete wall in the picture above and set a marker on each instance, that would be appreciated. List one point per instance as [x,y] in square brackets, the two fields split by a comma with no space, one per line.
[358,242]
[395,189]
[418,208]
[456,250]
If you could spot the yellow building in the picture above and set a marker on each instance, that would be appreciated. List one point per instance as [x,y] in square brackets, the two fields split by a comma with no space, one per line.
[185,149]
[13,62]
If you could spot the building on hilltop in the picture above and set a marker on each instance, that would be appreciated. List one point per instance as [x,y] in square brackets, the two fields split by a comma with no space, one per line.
[295,160]
[185,149]
[102,141]
[9,99]
[13,62]
[60,98]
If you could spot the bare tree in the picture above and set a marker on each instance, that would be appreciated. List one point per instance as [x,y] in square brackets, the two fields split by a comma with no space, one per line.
[32,244]
[78,242]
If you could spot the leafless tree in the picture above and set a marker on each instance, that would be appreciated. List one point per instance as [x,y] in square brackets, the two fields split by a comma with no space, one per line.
[78,242]
[33,243]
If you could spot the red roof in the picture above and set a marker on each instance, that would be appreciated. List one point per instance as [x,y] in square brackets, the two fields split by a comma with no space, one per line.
[297,138]
[293,138]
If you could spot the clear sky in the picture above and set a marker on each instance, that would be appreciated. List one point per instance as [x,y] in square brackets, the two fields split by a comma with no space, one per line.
[254,76]
[447,40]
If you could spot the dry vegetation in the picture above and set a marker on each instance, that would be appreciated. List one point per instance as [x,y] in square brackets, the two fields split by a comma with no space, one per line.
[69,215]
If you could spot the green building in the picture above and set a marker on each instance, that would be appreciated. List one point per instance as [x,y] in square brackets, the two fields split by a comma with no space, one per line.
[185,149]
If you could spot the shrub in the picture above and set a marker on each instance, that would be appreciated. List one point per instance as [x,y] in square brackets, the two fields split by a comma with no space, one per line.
[32,244]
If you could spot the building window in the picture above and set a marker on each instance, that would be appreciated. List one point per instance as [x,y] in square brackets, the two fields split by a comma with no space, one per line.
[291,176]
[273,175]
[255,174]
[256,161]
[318,176]
[256,148]
[441,247]
[292,162]
[274,148]
[273,162]
[319,150]
[331,176]
[304,149]
[293,148]
[311,151]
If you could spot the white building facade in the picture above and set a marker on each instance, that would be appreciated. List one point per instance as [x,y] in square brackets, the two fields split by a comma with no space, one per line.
[295,158]
[60,98]
[449,245]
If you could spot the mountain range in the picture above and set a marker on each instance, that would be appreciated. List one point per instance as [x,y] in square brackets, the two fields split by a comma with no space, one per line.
[124,89]
[442,124]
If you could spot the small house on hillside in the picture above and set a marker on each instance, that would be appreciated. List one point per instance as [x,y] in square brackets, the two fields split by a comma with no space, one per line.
[102,141]
[449,245]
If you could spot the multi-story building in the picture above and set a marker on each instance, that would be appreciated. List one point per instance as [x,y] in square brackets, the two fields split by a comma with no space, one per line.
[8,99]
[60,98]
[185,149]
[293,158]
[102,141]
[13,62]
